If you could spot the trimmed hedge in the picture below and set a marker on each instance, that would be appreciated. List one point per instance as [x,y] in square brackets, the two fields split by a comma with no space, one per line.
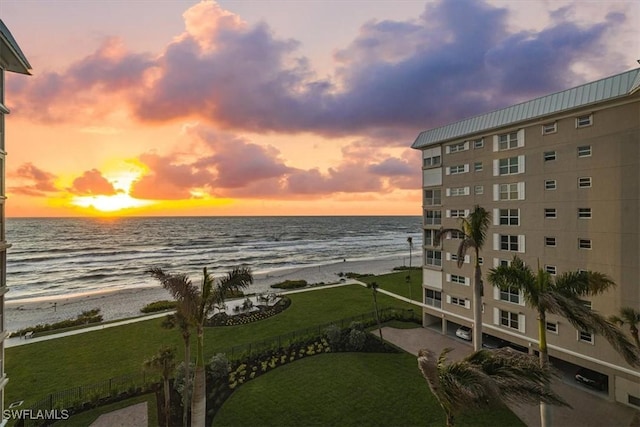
[290,284]
[84,318]
[159,306]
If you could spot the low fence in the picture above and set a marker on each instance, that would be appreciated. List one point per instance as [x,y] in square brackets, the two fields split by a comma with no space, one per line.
[92,394]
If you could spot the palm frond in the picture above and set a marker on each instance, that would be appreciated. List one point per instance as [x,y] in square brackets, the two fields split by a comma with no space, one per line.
[463,247]
[181,288]
[518,276]
[440,234]
[478,221]
[585,319]
[583,283]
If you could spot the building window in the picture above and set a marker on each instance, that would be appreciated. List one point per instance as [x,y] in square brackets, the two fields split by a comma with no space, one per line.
[584,182]
[584,151]
[429,236]
[432,217]
[509,242]
[478,189]
[433,298]
[480,260]
[458,191]
[550,213]
[551,269]
[552,327]
[462,302]
[549,128]
[461,280]
[509,319]
[584,213]
[549,156]
[458,213]
[433,258]
[458,169]
[507,141]
[510,294]
[509,217]
[432,197]
[431,162]
[477,166]
[514,191]
[454,234]
[550,184]
[550,241]
[585,336]
[583,121]
[584,243]
[509,166]
[478,143]
[460,146]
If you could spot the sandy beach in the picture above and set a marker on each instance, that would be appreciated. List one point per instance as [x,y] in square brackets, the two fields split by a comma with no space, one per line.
[124,303]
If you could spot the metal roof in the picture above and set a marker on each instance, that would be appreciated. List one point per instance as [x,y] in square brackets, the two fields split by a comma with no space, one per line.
[11,56]
[580,96]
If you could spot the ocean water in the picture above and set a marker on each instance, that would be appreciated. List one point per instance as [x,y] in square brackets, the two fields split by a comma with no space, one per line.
[56,256]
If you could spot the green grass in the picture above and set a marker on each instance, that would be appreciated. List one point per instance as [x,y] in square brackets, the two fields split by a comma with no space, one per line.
[397,283]
[346,389]
[84,419]
[38,369]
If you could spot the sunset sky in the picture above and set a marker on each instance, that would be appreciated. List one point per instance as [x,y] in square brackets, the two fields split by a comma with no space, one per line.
[273,107]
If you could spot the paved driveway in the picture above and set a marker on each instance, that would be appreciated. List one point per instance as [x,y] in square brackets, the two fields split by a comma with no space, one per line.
[588,410]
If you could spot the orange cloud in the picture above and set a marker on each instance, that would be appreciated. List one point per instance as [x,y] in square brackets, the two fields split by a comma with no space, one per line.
[92,183]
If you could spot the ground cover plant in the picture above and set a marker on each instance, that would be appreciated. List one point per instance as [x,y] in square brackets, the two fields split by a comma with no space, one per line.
[345,389]
[40,368]
[84,318]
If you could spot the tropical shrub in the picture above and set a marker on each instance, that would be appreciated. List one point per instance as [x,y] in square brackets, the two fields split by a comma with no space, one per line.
[159,306]
[290,284]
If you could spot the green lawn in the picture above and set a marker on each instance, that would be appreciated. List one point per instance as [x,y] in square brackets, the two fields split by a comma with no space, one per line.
[345,389]
[38,369]
[397,283]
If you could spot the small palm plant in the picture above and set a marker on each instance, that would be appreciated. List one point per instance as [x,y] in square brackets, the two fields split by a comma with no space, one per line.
[164,362]
[374,288]
[631,317]
[486,378]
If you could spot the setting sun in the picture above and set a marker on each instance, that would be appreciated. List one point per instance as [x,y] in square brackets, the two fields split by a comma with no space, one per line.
[109,203]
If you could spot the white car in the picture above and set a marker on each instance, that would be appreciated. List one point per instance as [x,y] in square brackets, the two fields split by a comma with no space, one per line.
[464,332]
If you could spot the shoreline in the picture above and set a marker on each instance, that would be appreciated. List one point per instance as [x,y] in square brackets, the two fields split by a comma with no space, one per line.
[115,304]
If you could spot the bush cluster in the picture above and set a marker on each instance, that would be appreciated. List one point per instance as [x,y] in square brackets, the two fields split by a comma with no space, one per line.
[159,306]
[290,284]
[223,319]
[84,318]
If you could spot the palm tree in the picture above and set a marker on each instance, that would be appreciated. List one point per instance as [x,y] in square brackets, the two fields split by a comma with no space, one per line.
[631,317]
[473,229]
[410,242]
[374,288]
[210,296]
[193,308]
[164,362]
[486,378]
[562,297]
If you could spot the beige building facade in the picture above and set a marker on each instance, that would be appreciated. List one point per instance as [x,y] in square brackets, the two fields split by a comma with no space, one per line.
[560,176]
[11,60]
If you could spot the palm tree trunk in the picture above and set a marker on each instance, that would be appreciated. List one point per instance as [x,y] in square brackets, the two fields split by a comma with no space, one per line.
[375,307]
[545,409]
[477,307]
[187,380]
[199,399]
[167,401]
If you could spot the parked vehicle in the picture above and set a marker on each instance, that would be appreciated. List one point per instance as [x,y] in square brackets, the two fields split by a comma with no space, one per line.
[592,379]
[491,342]
[464,332]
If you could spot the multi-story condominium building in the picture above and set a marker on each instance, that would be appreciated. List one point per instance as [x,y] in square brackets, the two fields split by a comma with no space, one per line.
[560,175]
[13,60]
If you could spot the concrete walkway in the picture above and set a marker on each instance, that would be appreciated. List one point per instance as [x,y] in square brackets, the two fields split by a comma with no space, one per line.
[589,410]
[131,416]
